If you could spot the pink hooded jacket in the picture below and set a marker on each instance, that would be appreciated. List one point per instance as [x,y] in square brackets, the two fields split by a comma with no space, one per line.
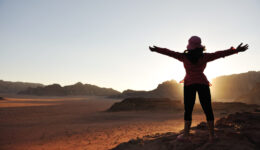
[194,72]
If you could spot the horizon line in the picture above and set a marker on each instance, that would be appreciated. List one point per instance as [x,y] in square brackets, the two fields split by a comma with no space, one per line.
[114,88]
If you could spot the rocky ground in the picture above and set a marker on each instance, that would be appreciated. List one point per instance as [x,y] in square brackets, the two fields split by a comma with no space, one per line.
[239,131]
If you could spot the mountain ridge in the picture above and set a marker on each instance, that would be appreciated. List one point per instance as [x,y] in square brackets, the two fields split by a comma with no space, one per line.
[237,87]
[77,89]
[11,87]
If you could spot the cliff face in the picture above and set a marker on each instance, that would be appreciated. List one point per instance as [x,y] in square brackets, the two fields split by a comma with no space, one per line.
[253,96]
[239,131]
[76,89]
[234,86]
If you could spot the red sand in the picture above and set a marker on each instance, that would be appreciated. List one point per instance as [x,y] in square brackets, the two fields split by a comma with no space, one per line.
[77,123]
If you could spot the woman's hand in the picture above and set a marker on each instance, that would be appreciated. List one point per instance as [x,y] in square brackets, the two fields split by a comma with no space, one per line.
[154,48]
[242,48]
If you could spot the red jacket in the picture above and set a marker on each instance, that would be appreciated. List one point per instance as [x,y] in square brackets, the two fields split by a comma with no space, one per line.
[194,72]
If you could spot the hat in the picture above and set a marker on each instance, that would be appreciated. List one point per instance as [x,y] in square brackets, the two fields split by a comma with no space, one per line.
[194,42]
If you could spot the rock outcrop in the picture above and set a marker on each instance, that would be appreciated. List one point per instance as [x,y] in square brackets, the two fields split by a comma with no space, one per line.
[168,89]
[235,85]
[146,104]
[239,131]
[166,104]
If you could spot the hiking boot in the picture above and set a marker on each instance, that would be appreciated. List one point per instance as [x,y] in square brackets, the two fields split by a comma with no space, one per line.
[185,135]
[212,136]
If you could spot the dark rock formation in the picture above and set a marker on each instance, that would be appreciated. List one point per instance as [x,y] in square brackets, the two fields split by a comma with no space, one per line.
[166,104]
[239,131]
[76,89]
[1,98]
[146,104]
[168,89]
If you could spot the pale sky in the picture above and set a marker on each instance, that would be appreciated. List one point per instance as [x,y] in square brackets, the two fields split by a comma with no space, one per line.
[105,42]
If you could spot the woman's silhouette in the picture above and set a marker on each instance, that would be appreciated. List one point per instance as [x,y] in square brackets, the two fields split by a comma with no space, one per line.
[195,62]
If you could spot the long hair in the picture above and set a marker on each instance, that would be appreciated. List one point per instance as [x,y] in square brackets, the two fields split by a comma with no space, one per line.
[194,54]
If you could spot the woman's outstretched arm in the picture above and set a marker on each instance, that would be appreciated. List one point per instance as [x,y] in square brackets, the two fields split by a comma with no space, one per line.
[224,53]
[167,52]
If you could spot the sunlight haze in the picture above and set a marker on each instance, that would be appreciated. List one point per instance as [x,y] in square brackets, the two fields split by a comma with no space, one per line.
[105,43]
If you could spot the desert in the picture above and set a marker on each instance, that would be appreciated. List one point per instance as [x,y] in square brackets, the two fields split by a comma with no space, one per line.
[37,123]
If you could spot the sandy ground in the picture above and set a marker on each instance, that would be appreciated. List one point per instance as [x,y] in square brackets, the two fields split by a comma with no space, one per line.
[77,123]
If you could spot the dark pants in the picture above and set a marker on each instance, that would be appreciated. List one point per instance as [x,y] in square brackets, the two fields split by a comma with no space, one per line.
[205,100]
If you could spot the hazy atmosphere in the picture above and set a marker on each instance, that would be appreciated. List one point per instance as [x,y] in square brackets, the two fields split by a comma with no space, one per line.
[95,75]
[106,42]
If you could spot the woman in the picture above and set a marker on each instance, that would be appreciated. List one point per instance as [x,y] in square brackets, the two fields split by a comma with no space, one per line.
[195,62]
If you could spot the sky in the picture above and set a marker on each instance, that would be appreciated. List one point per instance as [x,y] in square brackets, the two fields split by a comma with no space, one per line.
[105,42]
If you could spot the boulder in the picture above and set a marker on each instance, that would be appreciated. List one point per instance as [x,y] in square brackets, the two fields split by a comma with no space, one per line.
[146,104]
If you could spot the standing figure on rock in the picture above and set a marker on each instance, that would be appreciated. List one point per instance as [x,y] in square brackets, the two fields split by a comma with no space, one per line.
[195,61]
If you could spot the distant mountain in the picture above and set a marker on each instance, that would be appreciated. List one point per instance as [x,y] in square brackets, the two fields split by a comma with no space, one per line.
[168,89]
[49,90]
[15,87]
[76,89]
[88,89]
[234,86]
[243,87]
